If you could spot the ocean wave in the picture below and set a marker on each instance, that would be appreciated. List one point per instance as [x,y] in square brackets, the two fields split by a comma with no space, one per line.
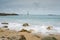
[34,28]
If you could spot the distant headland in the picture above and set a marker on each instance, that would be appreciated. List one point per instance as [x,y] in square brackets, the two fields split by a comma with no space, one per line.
[52,15]
[8,14]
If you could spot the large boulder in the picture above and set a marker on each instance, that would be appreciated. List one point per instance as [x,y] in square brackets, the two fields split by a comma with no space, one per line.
[25,24]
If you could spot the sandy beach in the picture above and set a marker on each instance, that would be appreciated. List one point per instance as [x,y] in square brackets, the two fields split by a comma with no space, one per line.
[6,34]
[11,34]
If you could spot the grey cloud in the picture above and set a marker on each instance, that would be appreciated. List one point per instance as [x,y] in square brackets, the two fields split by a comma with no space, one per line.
[47,6]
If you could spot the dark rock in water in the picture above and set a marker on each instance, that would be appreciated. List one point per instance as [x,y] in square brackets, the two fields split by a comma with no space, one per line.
[5,26]
[22,37]
[25,24]
[49,27]
[4,23]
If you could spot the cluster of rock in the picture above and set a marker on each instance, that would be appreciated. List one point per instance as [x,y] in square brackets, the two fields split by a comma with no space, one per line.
[21,37]
[6,34]
[14,35]
[10,35]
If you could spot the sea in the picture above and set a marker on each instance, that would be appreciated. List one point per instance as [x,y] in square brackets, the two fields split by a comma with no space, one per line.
[37,22]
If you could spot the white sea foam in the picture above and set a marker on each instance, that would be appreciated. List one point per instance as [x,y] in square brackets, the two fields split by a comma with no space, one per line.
[15,26]
[36,28]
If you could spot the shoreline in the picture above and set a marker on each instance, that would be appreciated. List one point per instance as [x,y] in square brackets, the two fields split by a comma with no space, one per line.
[33,28]
[27,31]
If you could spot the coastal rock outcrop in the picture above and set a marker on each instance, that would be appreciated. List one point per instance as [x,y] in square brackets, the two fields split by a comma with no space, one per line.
[7,14]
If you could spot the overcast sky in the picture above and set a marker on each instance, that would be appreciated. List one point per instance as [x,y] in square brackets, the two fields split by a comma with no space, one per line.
[33,6]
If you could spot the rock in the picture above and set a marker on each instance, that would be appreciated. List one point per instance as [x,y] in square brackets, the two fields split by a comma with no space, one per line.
[37,36]
[25,24]
[49,28]
[8,37]
[3,37]
[4,23]
[23,30]
[5,26]
[13,38]
[22,37]
[49,38]
[31,30]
